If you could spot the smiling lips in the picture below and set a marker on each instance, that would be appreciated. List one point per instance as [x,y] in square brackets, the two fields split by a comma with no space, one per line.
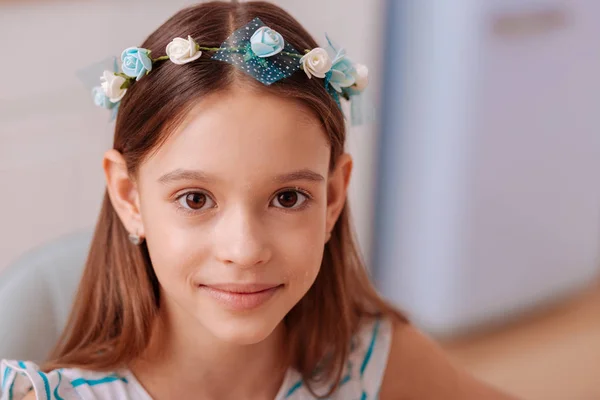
[241,297]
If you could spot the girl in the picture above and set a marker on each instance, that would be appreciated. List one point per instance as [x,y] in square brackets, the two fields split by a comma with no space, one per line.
[223,264]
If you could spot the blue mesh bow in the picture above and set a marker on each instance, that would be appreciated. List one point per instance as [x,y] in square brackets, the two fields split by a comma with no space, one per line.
[238,50]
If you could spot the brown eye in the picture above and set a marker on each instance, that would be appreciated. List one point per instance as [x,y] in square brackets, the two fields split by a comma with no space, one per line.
[290,199]
[194,201]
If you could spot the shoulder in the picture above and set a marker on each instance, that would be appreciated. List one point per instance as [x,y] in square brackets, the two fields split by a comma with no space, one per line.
[25,380]
[418,368]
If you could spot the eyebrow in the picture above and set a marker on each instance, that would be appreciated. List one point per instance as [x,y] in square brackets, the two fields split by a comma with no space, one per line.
[184,175]
[195,175]
[300,175]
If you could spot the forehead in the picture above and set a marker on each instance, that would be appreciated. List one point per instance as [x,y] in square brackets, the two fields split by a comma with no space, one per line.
[244,133]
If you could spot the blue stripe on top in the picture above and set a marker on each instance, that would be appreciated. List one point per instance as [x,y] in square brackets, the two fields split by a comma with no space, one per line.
[345,379]
[46,384]
[56,395]
[94,382]
[370,349]
[10,391]
[5,377]
[296,386]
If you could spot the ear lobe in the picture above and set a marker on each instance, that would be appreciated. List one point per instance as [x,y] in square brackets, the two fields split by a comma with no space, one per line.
[337,189]
[122,191]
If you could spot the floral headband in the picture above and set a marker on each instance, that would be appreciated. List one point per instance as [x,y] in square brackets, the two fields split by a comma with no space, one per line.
[257,50]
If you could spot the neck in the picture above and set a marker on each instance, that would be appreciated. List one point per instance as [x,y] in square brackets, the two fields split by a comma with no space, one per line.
[183,357]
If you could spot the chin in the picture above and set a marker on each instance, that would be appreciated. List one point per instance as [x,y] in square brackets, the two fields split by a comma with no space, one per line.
[243,330]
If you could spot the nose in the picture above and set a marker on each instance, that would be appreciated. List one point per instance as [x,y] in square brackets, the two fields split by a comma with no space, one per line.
[241,239]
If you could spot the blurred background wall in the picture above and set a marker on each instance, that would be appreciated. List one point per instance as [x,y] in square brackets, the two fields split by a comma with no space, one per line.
[488,195]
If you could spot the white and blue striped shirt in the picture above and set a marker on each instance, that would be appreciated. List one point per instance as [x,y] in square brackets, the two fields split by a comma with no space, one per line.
[361,380]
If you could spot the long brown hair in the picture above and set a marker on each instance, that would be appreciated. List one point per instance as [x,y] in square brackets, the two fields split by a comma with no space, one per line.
[118,296]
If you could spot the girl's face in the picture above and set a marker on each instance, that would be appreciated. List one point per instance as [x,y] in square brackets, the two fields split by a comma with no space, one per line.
[235,208]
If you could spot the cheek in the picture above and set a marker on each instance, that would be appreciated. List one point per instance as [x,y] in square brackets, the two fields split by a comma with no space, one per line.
[176,250]
[302,253]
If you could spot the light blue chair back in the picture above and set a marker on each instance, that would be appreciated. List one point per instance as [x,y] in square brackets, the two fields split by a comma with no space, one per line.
[36,295]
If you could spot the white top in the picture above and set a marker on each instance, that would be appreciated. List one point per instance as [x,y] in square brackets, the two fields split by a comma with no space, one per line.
[361,380]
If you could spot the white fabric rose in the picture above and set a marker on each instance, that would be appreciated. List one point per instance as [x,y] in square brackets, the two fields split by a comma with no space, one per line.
[316,63]
[111,85]
[362,76]
[181,51]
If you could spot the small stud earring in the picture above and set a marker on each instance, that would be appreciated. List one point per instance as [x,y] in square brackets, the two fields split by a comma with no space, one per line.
[135,239]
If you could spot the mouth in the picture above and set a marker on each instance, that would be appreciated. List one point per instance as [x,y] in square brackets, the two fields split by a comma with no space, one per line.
[241,297]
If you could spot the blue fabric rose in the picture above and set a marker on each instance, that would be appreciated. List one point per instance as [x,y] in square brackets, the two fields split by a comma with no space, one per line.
[266,42]
[342,71]
[135,62]
[101,99]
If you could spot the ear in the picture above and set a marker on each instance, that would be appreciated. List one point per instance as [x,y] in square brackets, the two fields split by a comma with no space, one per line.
[337,189]
[123,192]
